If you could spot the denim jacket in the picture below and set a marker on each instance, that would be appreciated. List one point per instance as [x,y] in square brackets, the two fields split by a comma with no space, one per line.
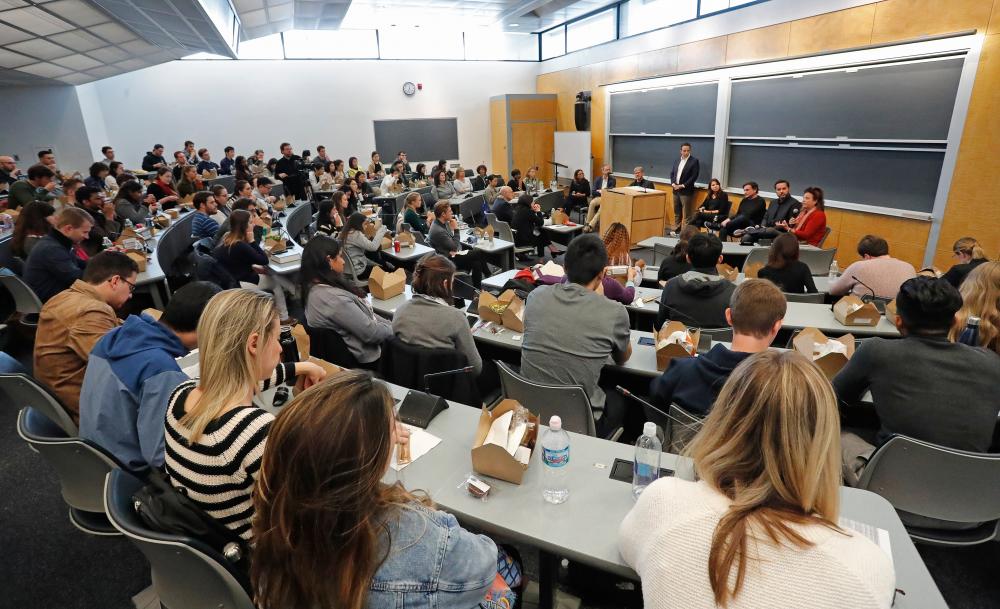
[432,563]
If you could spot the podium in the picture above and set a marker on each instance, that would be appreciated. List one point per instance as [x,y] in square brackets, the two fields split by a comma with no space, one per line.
[642,213]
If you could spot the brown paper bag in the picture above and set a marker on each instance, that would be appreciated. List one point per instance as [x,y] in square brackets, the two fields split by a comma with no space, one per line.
[559,216]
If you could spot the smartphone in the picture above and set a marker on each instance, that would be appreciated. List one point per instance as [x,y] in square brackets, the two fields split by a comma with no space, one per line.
[647,340]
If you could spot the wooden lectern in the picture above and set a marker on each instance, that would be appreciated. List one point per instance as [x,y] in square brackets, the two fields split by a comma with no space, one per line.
[642,213]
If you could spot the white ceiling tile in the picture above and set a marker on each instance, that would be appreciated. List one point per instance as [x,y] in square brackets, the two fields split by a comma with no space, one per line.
[131,64]
[253,18]
[112,32]
[76,12]
[248,5]
[139,47]
[280,12]
[77,62]
[9,34]
[48,70]
[108,54]
[78,40]
[40,48]
[105,71]
[35,21]
[6,4]
[10,59]
[76,78]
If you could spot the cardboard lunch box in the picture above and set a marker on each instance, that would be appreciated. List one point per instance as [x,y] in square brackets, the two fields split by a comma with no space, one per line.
[752,270]
[852,311]
[371,228]
[831,363]
[559,216]
[274,246]
[484,233]
[174,213]
[492,460]
[209,175]
[727,272]
[890,311]
[669,352]
[301,341]
[279,205]
[134,247]
[406,239]
[384,286]
[330,369]
[507,310]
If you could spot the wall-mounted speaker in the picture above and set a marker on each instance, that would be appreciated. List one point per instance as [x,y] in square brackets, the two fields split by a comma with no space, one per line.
[581,111]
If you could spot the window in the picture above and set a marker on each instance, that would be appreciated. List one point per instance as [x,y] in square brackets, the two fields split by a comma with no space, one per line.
[331,44]
[554,43]
[268,47]
[714,6]
[420,43]
[591,31]
[639,16]
[495,44]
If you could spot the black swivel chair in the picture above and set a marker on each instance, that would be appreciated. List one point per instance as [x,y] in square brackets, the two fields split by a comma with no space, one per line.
[328,345]
[406,365]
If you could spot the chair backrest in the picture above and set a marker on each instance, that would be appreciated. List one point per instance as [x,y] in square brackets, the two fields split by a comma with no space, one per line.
[407,364]
[826,234]
[478,183]
[22,390]
[818,260]
[503,231]
[680,429]
[718,334]
[757,255]
[185,571]
[207,268]
[471,206]
[328,345]
[491,219]
[935,481]
[25,299]
[298,219]
[173,242]
[816,298]
[81,465]
[569,402]
[661,251]
[551,200]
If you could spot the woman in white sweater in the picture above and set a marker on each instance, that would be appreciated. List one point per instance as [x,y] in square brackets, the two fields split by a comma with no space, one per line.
[760,527]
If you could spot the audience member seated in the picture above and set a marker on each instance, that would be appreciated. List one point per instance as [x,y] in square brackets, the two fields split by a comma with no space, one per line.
[700,296]
[760,526]
[336,170]
[205,162]
[162,188]
[328,220]
[755,312]
[34,222]
[329,533]
[52,266]
[516,182]
[392,182]
[618,245]
[177,167]
[72,322]
[429,319]
[320,178]
[714,209]
[116,170]
[750,212]
[375,170]
[810,225]
[38,187]
[916,381]
[190,182]
[228,163]
[492,189]
[102,212]
[131,373]
[445,240]
[785,269]
[481,178]
[358,246]
[204,227]
[605,180]
[242,170]
[879,272]
[262,194]
[969,254]
[411,213]
[443,190]
[639,174]
[332,302]
[461,184]
[528,221]
[214,433]
[242,189]
[570,331]
[676,263]
[784,209]
[352,166]
[129,205]
[221,196]
[502,207]
[532,184]
[579,190]
[98,172]
[240,254]
[154,159]
[981,298]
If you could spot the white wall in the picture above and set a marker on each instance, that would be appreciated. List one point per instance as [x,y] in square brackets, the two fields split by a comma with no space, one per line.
[259,104]
[35,118]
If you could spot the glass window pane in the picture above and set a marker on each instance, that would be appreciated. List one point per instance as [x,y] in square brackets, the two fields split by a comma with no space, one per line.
[495,44]
[331,44]
[554,43]
[639,16]
[420,43]
[714,6]
[590,31]
[267,47]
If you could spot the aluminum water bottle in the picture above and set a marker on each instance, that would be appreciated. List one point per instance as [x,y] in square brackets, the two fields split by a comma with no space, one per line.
[555,460]
[834,270]
[970,335]
[646,468]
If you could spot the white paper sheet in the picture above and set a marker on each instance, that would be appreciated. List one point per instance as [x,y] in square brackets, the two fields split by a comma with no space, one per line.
[879,537]
[421,443]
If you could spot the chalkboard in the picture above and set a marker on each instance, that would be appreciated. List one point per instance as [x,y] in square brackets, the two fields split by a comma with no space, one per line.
[900,179]
[909,101]
[423,139]
[686,109]
[656,155]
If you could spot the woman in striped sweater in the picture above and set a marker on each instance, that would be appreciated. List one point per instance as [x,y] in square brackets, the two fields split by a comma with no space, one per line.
[214,433]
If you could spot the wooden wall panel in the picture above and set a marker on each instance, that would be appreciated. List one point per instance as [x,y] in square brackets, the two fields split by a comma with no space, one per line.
[533,145]
[532,109]
[994,27]
[769,42]
[657,63]
[498,136]
[597,130]
[702,55]
[901,19]
[832,31]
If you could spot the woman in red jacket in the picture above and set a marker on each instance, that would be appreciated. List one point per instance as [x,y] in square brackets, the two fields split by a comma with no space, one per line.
[810,225]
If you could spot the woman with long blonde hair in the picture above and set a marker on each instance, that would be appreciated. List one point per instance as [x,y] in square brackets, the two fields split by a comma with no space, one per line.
[329,533]
[760,527]
[981,298]
[969,254]
[214,433]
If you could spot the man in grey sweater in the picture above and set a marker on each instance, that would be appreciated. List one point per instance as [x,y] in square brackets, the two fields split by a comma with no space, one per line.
[923,386]
[444,238]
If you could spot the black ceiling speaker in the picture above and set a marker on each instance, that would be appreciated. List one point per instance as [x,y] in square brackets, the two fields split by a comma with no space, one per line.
[581,111]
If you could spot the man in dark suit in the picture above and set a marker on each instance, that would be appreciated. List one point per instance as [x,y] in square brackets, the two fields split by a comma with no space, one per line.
[605,180]
[682,177]
[785,208]
[287,170]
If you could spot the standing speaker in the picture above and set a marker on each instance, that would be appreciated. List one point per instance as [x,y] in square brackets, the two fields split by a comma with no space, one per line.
[581,111]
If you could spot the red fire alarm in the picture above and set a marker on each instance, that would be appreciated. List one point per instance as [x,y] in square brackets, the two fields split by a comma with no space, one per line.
[420,86]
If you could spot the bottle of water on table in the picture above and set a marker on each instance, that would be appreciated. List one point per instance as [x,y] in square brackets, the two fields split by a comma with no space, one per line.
[646,468]
[970,334]
[834,270]
[555,459]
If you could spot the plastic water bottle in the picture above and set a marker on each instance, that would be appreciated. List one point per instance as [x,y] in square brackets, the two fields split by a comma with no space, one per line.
[646,468]
[555,459]
[128,224]
[970,335]
[834,270]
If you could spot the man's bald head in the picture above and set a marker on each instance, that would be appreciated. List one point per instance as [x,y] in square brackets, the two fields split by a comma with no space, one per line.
[506,192]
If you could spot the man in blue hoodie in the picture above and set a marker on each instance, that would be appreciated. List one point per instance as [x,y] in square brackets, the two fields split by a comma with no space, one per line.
[755,312]
[130,374]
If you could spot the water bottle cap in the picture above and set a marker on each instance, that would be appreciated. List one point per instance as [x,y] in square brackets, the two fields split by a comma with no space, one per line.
[555,423]
[649,429]
[972,320]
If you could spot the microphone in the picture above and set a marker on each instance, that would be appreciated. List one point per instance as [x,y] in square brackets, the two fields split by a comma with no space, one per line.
[468,285]
[430,375]
[674,311]
[864,285]
[629,394]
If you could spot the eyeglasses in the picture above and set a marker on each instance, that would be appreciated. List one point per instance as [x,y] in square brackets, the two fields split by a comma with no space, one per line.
[131,286]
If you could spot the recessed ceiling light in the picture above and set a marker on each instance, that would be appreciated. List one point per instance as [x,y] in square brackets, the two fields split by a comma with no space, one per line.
[515,25]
